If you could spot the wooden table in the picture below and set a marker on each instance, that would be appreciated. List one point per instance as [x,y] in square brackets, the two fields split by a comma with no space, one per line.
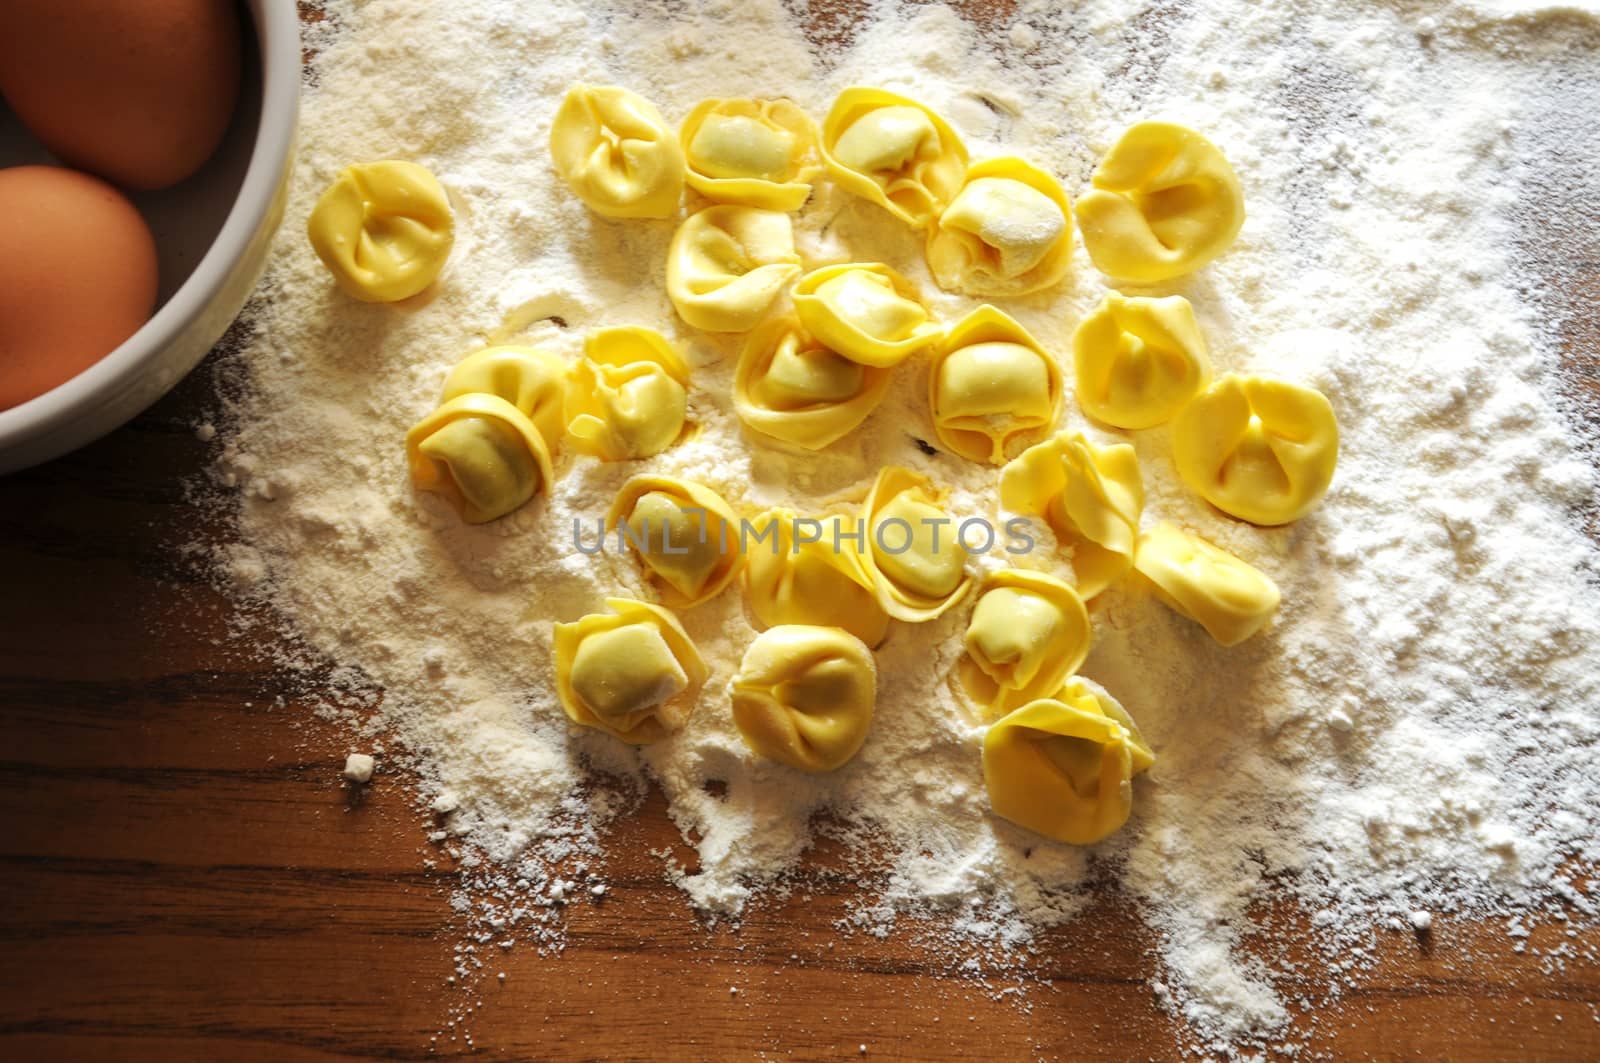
[184,876]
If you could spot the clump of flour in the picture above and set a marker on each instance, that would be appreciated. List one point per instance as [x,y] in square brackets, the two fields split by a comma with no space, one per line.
[1415,732]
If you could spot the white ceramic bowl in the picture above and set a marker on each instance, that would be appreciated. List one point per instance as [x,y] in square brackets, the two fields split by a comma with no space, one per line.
[212,233]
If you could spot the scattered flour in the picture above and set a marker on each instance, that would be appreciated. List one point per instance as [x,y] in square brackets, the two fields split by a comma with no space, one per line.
[358,767]
[1414,737]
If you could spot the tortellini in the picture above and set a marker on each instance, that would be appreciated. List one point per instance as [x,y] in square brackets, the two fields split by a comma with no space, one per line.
[616,153]
[728,263]
[1139,360]
[1165,202]
[633,672]
[1221,593]
[479,453]
[1259,449]
[804,696]
[990,386]
[532,380]
[912,552]
[800,572]
[628,395]
[895,152]
[864,311]
[792,388]
[384,229]
[686,536]
[1063,766]
[1091,497]
[761,153]
[1029,632]
[1006,233]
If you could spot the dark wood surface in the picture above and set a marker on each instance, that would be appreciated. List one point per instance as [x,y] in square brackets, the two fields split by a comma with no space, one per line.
[183,875]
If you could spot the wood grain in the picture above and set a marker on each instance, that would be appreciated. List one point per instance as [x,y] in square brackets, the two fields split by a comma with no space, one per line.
[183,876]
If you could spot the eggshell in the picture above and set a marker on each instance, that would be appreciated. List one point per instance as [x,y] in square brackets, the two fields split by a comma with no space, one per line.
[137,91]
[77,276]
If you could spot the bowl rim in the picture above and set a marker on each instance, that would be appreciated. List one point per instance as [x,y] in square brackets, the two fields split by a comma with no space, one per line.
[277,30]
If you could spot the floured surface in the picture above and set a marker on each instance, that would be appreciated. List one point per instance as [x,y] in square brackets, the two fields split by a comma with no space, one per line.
[1415,732]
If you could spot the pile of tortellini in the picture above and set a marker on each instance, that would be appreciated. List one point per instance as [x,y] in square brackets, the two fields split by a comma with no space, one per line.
[1059,752]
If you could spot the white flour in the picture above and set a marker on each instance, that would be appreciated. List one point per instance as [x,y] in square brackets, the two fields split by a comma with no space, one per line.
[1415,736]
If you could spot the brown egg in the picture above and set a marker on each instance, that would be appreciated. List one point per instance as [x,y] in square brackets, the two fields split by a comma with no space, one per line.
[77,276]
[137,91]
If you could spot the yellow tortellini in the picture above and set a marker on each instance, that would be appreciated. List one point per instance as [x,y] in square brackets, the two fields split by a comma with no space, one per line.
[912,552]
[1221,593]
[628,394]
[991,386]
[761,153]
[804,696]
[800,571]
[633,672]
[1091,497]
[864,311]
[1259,449]
[1139,360]
[532,380]
[1006,233]
[728,263]
[790,387]
[895,152]
[1029,632]
[384,229]
[479,453]
[686,536]
[1165,202]
[616,153]
[1063,766]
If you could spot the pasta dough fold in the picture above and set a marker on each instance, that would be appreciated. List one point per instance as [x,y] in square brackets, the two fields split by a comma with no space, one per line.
[727,264]
[1210,586]
[1028,633]
[912,552]
[804,696]
[864,311]
[628,394]
[1063,766]
[991,387]
[760,153]
[532,380]
[1005,234]
[790,387]
[384,230]
[616,153]
[1139,360]
[685,535]
[1090,496]
[1165,202]
[893,151]
[800,572]
[633,672]
[479,453]
[1259,449]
